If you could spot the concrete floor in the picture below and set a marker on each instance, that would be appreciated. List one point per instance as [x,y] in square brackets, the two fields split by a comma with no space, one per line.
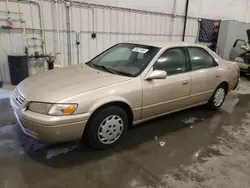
[202,149]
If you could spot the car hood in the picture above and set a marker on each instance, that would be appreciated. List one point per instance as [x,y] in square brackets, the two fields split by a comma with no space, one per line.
[61,83]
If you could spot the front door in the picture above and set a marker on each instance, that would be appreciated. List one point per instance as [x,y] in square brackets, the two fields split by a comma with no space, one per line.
[165,95]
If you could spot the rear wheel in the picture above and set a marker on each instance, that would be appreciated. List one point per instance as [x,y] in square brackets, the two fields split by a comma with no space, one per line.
[107,127]
[217,98]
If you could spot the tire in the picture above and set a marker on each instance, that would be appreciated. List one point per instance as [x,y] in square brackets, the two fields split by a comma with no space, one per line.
[109,122]
[214,104]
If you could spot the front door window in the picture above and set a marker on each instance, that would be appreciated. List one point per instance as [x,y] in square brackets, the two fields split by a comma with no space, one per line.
[173,61]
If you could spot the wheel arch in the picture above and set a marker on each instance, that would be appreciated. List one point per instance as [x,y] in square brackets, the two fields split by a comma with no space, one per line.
[123,104]
[225,83]
[120,103]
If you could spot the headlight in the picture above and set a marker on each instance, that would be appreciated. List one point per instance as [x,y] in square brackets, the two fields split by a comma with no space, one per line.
[52,109]
[62,109]
[39,107]
[239,59]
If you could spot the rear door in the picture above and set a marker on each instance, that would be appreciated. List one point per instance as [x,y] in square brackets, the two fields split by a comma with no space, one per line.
[205,74]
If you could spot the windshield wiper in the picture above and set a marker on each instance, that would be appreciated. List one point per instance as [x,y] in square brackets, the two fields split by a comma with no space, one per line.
[124,73]
[107,69]
[110,70]
[115,71]
[102,67]
[91,64]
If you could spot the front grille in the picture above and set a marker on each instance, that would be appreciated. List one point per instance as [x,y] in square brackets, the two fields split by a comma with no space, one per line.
[18,99]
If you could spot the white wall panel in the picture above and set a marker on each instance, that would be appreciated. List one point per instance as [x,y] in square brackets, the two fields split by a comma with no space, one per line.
[247,12]
[115,25]
[48,15]
[229,9]
[212,9]
[165,6]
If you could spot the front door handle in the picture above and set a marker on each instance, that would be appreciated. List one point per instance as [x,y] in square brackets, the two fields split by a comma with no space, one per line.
[217,76]
[185,82]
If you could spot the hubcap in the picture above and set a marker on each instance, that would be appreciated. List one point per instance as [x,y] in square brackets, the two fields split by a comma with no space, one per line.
[110,129]
[219,97]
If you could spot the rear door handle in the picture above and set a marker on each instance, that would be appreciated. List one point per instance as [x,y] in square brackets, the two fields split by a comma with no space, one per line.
[185,82]
[217,76]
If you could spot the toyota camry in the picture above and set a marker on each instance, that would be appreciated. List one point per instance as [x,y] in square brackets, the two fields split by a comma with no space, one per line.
[125,85]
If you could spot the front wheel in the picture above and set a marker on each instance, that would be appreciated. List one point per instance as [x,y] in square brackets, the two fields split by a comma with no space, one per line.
[217,98]
[106,127]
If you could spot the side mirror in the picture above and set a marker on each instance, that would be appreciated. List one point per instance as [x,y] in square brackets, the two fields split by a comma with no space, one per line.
[157,74]
[244,47]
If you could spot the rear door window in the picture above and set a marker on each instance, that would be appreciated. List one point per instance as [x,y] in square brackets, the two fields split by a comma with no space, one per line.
[200,58]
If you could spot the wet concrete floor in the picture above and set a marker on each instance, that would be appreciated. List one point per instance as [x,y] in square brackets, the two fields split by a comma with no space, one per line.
[192,148]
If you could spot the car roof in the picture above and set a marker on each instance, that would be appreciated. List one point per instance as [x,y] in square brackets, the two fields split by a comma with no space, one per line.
[163,44]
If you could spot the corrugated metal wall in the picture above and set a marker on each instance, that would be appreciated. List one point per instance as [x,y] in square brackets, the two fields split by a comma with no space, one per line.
[111,25]
[114,25]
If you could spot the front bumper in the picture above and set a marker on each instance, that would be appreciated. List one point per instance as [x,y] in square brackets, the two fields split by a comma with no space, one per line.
[56,133]
[50,128]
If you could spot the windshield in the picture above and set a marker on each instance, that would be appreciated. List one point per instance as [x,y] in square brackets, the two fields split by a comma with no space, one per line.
[124,59]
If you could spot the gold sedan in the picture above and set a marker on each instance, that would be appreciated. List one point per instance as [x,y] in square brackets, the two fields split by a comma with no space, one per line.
[125,85]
